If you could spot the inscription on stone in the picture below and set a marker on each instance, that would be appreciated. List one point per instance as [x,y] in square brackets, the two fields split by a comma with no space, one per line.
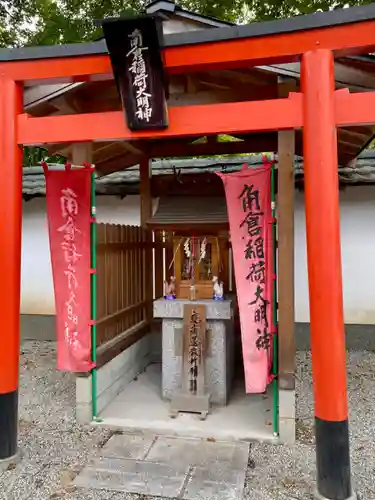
[193,397]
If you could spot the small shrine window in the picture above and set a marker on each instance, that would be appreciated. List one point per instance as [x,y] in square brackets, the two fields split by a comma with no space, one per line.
[197,260]
[205,263]
[199,268]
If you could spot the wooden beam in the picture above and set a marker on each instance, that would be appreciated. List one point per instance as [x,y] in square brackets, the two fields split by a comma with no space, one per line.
[105,155]
[351,146]
[285,253]
[209,119]
[131,148]
[253,77]
[355,78]
[360,134]
[120,162]
[111,349]
[66,104]
[235,94]
[35,96]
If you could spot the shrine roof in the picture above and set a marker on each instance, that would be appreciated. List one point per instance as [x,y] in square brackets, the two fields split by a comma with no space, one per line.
[169,7]
[317,20]
[179,212]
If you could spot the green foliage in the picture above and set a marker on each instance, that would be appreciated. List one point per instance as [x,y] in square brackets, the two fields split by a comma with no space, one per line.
[46,22]
[33,156]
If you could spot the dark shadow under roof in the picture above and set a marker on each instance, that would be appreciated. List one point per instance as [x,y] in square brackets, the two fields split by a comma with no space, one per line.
[299,23]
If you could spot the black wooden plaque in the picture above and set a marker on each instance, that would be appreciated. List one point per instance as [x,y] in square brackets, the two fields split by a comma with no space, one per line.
[134,47]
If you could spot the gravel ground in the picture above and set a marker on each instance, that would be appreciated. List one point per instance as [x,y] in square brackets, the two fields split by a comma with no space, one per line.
[55,449]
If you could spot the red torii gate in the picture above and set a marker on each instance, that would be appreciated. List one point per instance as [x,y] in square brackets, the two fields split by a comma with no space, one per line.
[315,41]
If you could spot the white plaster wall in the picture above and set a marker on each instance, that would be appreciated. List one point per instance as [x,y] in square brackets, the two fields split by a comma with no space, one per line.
[36,277]
[358,252]
[357,210]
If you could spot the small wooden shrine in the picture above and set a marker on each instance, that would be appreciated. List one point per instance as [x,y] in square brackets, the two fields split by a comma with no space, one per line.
[199,269]
[197,319]
[199,263]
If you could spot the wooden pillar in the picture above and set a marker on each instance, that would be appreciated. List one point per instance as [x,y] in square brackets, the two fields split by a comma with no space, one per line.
[11,96]
[145,190]
[146,214]
[325,279]
[81,153]
[285,267]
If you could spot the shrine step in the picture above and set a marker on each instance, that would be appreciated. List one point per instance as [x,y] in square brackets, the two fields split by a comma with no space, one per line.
[185,468]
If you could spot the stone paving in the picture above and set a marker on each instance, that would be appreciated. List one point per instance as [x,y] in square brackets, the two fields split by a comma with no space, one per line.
[172,467]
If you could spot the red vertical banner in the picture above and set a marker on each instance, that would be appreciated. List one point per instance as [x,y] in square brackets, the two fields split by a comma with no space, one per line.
[248,196]
[68,195]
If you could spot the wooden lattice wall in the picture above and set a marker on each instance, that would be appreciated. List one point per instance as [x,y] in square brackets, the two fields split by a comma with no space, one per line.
[124,264]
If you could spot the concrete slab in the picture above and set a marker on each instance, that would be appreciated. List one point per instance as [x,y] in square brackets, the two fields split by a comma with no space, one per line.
[199,453]
[135,446]
[190,469]
[139,407]
[218,473]
[201,488]
[132,476]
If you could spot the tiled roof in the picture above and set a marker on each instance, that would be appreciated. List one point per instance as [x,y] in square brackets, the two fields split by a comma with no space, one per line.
[127,181]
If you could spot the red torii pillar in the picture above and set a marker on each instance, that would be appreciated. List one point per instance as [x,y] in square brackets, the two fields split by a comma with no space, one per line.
[325,280]
[11,104]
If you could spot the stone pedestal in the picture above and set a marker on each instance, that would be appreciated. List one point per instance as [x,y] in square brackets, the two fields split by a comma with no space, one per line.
[219,359]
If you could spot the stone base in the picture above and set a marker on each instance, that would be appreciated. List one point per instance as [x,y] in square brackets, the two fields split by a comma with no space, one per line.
[219,361]
[111,378]
[187,403]
[287,416]
[41,327]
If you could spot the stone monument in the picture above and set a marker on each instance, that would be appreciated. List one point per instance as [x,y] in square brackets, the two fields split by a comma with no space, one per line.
[197,352]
